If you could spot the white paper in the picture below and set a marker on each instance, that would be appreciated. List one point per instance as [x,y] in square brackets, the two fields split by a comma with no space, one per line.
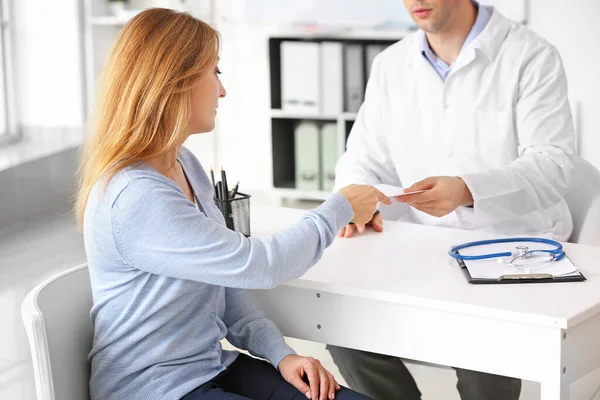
[492,269]
[388,190]
[394,191]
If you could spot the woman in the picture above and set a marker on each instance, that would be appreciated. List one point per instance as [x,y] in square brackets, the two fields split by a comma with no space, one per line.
[167,275]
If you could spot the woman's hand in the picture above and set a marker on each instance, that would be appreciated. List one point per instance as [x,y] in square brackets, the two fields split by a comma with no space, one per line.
[363,199]
[294,369]
[376,223]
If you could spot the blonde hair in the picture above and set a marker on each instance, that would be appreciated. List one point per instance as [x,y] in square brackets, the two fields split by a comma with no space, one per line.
[143,107]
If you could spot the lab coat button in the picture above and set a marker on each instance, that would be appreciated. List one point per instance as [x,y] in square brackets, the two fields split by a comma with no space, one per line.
[446,105]
[451,154]
[213,315]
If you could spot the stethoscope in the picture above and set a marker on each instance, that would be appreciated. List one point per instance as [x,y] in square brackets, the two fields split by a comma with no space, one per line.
[511,258]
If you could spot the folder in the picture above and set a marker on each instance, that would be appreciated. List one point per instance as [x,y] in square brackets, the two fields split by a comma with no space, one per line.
[300,72]
[371,51]
[354,75]
[306,153]
[332,78]
[329,155]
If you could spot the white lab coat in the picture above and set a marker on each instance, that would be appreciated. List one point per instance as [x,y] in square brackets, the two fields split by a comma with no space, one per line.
[501,121]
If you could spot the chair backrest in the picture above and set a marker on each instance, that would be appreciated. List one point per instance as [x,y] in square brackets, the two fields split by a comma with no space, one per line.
[56,315]
[583,199]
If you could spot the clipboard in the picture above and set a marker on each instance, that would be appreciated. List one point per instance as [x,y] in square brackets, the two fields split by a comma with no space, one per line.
[520,278]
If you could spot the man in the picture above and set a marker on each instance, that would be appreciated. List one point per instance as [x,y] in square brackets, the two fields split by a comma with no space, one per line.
[472,109]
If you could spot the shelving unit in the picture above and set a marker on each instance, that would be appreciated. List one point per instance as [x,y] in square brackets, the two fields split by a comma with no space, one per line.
[284,123]
[280,114]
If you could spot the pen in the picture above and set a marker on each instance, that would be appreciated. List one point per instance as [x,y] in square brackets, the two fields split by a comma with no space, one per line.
[219,191]
[226,204]
[212,177]
[233,191]
[224,180]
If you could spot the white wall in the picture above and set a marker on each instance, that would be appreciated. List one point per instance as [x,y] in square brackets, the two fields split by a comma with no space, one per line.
[48,80]
[244,120]
[243,124]
[321,11]
[573,28]
[47,57]
[339,11]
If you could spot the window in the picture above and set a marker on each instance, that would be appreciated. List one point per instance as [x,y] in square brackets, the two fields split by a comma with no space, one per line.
[8,130]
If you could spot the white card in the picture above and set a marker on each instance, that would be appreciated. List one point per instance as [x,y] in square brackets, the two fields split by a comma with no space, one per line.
[388,190]
[394,191]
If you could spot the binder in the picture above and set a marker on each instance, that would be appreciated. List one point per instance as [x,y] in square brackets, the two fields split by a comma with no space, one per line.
[371,51]
[329,155]
[306,156]
[354,77]
[300,83]
[332,78]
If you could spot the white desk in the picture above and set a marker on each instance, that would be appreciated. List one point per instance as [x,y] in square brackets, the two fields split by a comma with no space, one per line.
[397,293]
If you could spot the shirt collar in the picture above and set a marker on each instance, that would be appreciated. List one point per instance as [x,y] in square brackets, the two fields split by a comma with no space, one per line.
[487,34]
[481,21]
[493,35]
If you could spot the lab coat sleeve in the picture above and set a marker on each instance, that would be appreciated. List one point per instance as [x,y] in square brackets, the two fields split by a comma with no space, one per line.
[540,176]
[367,159]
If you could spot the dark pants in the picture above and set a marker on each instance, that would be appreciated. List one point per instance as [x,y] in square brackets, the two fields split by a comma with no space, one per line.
[387,378]
[249,378]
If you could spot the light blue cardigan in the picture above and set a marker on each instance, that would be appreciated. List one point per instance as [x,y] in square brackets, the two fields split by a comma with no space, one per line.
[169,282]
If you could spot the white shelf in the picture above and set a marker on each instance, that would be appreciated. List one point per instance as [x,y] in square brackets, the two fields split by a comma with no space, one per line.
[288,115]
[341,33]
[348,116]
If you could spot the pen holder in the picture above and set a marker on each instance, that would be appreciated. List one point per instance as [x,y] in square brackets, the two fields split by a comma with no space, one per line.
[236,212]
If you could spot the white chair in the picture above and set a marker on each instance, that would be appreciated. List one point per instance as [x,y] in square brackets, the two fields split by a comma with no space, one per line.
[56,315]
[583,199]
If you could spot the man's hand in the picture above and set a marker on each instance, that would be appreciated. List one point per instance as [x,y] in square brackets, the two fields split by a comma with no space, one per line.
[443,194]
[294,368]
[376,223]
